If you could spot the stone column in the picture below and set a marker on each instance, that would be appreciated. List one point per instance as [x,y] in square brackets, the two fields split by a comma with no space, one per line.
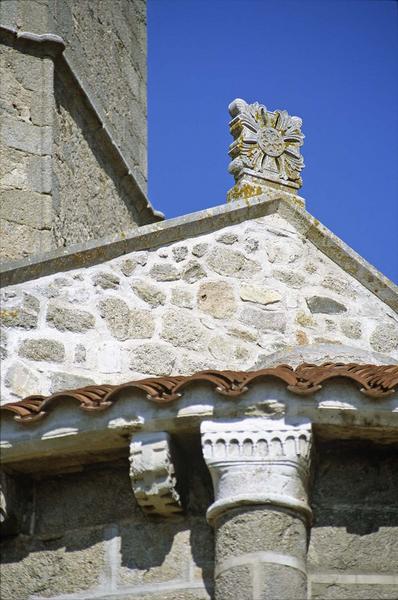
[259,469]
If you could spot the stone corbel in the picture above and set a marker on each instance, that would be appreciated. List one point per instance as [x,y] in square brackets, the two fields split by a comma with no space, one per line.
[8,505]
[257,461]
[153,474]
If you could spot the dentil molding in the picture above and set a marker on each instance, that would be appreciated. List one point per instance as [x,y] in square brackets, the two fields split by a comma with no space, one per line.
[257,461]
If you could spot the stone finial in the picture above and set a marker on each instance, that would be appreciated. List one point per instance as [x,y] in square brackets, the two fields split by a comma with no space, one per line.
[152,474]
[265,151]
[257,461]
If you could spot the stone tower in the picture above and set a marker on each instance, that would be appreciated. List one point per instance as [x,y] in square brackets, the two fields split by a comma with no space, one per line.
[73,123]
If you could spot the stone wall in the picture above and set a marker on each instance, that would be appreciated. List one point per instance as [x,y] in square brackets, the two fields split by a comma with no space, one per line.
[85,531]
[225,300]
[64,178]
[90,198]
[26,97]
[84,535]
[353,551]
[106,43]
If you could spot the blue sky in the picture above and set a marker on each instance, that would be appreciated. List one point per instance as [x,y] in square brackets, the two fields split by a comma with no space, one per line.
[334,63]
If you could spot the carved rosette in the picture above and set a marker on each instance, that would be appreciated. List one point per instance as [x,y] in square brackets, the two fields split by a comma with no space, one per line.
[257,461]
[266,145]
[152,474]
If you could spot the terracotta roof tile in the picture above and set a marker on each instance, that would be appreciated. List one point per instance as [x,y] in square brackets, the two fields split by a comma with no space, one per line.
[374,381]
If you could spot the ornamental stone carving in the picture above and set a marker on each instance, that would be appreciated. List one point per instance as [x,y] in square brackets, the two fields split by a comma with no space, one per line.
[257,461]
[266,148]
[152,473]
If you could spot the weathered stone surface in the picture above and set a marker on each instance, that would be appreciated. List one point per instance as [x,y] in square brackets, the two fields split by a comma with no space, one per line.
[189,593]
[166,557]
[56,287]
[19,241]
[48,568]
[193,362]
[148,292]
[124,323]
[42,349]
[339,286]
[128,266]
[304,319]
[3,344]
[68,500]
[232,263]
[325,305]
[26,208]
[31,303]
[200,249]
[302,338]
[80,353]
[226,349]
[39,174]
[154,359]
[263,320]
[117,316]
[311,268]
[260,295]
[251,245]
[281,582]
[68,381]
[354,591]
[180,253]
[141,324]
[193,271]
[281,253]
[164,272]
[69,319]
[18,317]
[22,381]
[244,334]
[384,338]
[182,297]
[228,238]
[107,281]
[351,328]
[26,136]
[180,329]
[234,583]
[244,530]
[291,278]
[141,258]
[334,548]
[217,299]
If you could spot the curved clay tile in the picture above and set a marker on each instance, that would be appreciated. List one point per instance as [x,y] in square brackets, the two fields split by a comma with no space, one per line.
[374,381]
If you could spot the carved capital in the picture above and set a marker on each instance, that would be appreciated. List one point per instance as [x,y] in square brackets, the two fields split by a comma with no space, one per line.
[266,149]
[152,473]
[257,461]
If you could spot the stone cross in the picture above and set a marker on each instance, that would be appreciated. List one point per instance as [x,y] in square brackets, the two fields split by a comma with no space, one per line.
[265,152]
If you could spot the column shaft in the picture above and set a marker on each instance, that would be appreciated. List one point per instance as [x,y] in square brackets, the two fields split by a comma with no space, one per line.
[260,555]
[259,469]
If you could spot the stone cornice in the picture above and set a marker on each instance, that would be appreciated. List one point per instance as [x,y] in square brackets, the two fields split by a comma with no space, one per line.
[374,381]
[212,219]
[69,435]
[48,44]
